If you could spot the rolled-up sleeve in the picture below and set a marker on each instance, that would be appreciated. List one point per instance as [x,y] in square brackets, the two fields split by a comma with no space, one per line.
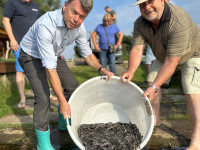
[83,43]
[45,47]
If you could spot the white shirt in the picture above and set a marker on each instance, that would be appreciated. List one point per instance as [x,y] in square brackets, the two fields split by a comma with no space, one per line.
[49,36]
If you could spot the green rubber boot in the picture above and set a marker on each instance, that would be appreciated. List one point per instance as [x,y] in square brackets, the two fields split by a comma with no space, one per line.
[44,142]
[62,125]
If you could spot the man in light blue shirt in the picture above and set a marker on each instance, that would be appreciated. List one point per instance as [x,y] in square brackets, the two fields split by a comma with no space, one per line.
[41,46]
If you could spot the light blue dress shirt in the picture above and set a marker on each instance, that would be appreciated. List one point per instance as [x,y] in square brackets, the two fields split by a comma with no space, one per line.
[49,36]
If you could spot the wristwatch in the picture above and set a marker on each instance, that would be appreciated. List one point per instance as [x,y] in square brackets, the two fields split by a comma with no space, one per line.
[99,70]
[155,88]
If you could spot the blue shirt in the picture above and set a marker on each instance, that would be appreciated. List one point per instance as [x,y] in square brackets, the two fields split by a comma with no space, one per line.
[22,16]
[111,31]
[149,56]
[49,36]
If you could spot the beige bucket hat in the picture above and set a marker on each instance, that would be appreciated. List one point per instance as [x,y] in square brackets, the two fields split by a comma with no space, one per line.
[139,2]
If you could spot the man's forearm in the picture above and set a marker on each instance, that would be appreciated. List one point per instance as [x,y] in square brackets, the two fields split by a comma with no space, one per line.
[8,28]
[93,62]
[56,84]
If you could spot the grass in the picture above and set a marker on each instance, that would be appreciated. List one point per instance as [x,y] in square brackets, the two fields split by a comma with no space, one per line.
[10,59]
[9,96]
[6,60]
[17,126]
[83,73]
[178,117]
[139,75]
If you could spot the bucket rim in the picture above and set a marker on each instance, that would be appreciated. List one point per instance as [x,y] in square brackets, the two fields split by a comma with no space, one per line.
[104,78]
[150,131]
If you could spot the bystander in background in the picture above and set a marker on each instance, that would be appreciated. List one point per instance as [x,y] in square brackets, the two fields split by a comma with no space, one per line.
[112,13]
[149,57]
[107,32]
[18,17]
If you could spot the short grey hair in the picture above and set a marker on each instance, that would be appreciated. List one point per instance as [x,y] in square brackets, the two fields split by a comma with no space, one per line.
[87,4]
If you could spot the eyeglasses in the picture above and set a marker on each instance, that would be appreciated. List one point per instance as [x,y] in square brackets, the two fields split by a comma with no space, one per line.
[106,20]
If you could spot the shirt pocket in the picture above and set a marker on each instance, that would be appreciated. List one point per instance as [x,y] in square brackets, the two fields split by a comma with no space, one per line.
[196,77]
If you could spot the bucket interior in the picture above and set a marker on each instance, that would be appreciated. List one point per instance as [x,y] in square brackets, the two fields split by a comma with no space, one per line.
[100,100]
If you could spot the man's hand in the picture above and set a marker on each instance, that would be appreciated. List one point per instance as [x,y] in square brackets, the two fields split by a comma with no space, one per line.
[14,45]
[65,109]
[150,93]
[107,73]
[127,76]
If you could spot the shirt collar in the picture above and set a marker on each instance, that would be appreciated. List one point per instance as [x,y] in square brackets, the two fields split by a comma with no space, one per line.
[59,18]
[166,13]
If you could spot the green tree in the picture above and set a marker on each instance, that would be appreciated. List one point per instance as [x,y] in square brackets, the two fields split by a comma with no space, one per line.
[44,5]
[48,5]
[2,3]
[127,44]
[77,53]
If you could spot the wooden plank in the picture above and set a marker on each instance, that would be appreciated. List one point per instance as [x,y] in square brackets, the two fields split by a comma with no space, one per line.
[7,67]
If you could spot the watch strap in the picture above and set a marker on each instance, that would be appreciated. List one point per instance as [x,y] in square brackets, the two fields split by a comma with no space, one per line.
[100,69]
[155,88]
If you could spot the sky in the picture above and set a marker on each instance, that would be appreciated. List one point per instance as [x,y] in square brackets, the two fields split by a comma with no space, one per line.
[126,16]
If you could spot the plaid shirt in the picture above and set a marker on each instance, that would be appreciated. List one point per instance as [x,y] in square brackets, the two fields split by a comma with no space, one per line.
[177,35]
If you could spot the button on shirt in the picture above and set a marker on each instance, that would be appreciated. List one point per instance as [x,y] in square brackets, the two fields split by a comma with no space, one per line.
[49,36]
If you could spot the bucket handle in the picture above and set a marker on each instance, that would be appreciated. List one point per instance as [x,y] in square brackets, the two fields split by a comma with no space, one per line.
[104,77]
[149,104]
[68,121]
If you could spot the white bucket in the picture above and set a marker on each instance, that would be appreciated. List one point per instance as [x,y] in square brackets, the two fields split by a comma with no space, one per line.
[100,100]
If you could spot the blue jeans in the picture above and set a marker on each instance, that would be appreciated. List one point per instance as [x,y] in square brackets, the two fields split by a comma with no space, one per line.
[105,55]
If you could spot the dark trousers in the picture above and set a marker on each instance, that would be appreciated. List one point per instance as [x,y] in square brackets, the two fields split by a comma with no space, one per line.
[37,78]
